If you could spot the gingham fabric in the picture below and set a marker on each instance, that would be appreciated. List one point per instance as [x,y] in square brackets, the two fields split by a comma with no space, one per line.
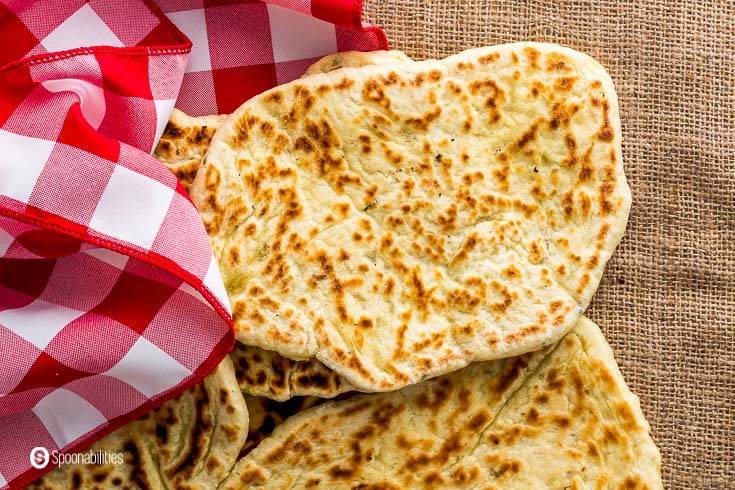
[110,299]
[242,49]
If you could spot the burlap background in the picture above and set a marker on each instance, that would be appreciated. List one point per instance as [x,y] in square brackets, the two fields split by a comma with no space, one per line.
[667,302]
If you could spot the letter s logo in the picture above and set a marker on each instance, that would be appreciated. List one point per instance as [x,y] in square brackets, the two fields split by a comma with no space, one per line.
[39,457]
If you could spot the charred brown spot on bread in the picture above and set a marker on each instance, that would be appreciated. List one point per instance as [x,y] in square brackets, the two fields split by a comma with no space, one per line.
[384,485]
[502,175]
[512,272]
[322,133]
[419,79]
[633,482]
[101,475]
[433,480]
[373,92]
[478,421]
[451,446]
[465,65]
[138,475]
[535,250]
[165,148]
[537,87]
[274,96]
[345,84]
[244,128]
[307,98]
[464,476]
[395,157]
[561,114]
[422,123]
[511,372]
[557,62]
[605,132]
[76,479]
[212,180]
[365,322]
[524,332]
[489,58]
[173,131]
[593,261]
[586,171]
[568,204]
[338,472]
[556,380]
[626,414]
[527,209]
[509,467]
[313,380]
[606,191]
[564,84]
[253,475]
[186,174]
[610,435]
[563,421]
[366,140]
[533,55]
[528,136]
[468,245]
[304,144]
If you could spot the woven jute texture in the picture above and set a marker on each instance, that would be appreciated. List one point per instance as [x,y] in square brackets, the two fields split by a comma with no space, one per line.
[667,301]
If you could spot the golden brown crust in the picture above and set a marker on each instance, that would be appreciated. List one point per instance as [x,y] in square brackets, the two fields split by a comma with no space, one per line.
[184,143]
[401,193]
[561,417]
[190,442]
[266,414]
[268,374]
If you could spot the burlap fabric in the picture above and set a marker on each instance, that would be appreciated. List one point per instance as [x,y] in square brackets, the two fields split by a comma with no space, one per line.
[667,301]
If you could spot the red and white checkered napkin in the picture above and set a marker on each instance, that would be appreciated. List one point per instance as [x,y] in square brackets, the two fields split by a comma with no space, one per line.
[110,299]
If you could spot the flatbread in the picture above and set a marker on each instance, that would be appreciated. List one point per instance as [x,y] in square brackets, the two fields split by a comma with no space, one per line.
[558,418]
[184,143]
[266,373]
[400,221]
[190,442]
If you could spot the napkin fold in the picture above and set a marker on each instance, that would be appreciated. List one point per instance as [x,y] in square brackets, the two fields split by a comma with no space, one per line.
[110,299]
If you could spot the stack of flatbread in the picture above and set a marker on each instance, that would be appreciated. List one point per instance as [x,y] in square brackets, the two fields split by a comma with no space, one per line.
[408,249]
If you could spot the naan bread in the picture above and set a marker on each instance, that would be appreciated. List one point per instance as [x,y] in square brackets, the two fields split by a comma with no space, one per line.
[266,373]
[190,442]
[184,143]
[400,221]
[559,418]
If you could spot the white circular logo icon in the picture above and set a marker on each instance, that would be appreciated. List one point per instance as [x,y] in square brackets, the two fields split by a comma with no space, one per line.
[39,457]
